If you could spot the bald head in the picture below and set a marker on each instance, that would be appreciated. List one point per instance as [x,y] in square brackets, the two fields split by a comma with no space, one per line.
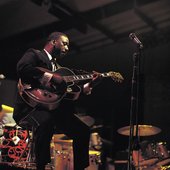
[57,44]
[55,36]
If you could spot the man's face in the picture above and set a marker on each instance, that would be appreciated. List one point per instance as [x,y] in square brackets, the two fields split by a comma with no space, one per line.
[61,47]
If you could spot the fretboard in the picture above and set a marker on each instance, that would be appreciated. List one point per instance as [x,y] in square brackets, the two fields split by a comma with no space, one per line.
[82,77]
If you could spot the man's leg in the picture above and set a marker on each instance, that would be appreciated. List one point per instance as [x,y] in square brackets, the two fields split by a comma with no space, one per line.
[42,125]
[74,128]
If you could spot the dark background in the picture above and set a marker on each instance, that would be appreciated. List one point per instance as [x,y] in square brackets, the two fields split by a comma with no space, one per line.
[99,35]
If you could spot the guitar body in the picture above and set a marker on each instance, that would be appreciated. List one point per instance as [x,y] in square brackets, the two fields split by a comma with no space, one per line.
[73,90]
[43,97]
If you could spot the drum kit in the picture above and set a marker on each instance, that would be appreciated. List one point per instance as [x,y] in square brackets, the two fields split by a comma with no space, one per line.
[148,155]
[15,148]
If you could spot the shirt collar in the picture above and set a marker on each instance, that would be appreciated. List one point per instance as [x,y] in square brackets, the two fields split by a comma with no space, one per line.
[48,54]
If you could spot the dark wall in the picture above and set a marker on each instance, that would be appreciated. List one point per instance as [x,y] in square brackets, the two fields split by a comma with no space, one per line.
[7,92]
[157,90]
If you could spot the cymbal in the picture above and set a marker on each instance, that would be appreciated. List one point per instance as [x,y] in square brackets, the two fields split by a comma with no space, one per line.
[88,120]
[143,130]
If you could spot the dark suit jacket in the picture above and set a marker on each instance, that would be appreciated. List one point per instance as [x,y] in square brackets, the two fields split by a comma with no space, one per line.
[27,71]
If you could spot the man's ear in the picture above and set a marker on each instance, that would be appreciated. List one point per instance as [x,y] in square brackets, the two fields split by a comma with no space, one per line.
[53,42]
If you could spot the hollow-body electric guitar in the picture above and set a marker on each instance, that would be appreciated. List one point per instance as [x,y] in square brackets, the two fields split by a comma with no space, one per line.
[43,97]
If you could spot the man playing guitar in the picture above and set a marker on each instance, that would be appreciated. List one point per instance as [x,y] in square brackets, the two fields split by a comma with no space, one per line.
[35,70]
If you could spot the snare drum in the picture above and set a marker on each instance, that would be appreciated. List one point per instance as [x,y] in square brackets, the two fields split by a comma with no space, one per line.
[14,143]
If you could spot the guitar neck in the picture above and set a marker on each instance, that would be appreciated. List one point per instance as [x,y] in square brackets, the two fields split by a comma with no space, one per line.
[82,77]
[116,76]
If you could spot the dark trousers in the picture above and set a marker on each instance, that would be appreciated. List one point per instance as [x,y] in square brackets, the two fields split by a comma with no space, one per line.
[70,125]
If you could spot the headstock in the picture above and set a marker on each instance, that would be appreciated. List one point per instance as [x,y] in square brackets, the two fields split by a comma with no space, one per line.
[116,76]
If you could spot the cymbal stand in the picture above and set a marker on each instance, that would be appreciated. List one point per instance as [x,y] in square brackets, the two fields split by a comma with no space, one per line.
[134,99]
[31,156]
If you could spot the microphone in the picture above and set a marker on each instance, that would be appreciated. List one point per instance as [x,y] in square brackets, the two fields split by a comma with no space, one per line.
[2,76]
[133,37]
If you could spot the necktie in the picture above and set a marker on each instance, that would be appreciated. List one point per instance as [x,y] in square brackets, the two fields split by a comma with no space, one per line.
[54,65]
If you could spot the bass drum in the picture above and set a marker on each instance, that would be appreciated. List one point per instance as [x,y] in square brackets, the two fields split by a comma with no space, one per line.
[14,143]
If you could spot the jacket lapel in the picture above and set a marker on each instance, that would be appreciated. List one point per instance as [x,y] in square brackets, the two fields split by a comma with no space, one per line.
[45,59]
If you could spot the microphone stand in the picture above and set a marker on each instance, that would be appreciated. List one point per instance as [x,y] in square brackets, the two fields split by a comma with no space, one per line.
[134,105]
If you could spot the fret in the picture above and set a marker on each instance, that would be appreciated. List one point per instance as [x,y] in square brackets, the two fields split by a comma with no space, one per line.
[77,77]
[105,74]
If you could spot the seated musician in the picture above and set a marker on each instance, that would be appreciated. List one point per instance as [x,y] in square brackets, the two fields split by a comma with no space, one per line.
[36,70]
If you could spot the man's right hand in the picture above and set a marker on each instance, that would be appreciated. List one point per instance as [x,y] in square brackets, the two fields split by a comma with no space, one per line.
[53,82]
[56,79]
[58,84]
